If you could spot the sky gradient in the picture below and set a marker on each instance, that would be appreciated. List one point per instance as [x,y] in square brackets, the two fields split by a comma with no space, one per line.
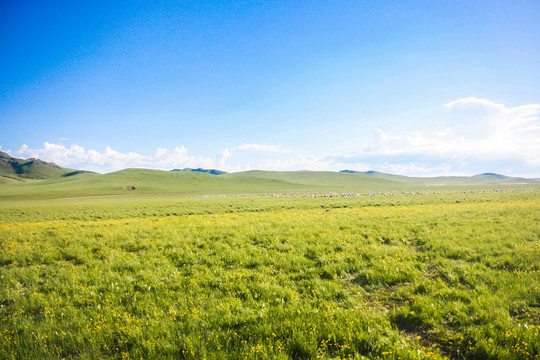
[409,87]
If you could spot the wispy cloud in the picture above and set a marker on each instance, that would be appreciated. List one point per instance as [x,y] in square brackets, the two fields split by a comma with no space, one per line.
[262,147]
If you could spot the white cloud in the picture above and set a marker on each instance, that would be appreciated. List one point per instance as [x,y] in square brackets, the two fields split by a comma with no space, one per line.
[481,135]
[508,133]
[502,120]
[79,157]
[225,154]
[261,147]
[160,152]
[417,169]
[298,162]
[474,101]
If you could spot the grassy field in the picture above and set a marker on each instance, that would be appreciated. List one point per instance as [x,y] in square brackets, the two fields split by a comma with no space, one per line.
[405,274]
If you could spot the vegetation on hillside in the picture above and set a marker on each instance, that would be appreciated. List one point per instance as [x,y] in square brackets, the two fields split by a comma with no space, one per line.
[146,181]
[17,170]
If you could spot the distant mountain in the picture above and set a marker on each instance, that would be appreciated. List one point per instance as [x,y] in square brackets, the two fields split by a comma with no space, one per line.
[480,179]
[492,176]
[15,169]
[209,171]
[369,173]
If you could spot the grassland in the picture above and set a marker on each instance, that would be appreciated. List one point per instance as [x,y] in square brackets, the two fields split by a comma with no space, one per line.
[145,181]
[405,274]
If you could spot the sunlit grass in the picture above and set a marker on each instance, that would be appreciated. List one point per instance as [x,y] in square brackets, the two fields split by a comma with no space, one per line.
[429,278]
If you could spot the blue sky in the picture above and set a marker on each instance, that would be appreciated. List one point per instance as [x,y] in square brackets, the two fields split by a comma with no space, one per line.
[409,87]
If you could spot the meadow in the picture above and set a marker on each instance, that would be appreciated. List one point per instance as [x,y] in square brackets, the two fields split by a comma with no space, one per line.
[410,274]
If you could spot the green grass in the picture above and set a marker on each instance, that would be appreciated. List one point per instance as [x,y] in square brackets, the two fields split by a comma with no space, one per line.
[136,205]
[450,273]
[146,181]
[318,179]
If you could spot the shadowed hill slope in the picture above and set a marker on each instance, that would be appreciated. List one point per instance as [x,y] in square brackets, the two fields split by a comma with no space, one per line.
[209,171]
[14,169]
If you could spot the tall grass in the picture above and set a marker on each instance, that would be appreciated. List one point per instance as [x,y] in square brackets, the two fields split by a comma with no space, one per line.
[427,279]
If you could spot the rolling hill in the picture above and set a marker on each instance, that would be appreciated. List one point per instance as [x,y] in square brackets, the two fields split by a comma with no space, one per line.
[34,179]
[316,180]
[480,179]
[15,169]
[139,181]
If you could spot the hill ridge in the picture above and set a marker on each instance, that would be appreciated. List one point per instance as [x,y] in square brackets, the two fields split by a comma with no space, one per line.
[18,169]
[209,171]
[40,179]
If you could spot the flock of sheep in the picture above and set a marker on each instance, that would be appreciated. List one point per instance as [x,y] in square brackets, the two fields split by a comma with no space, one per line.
[359,194]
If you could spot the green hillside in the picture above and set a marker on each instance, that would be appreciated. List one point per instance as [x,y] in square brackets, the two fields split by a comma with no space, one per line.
[318,180]
[62,183]
[146,181]
[139,181]
[16,170]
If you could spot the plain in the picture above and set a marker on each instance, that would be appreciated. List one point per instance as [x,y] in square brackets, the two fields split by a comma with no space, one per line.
[410,274]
